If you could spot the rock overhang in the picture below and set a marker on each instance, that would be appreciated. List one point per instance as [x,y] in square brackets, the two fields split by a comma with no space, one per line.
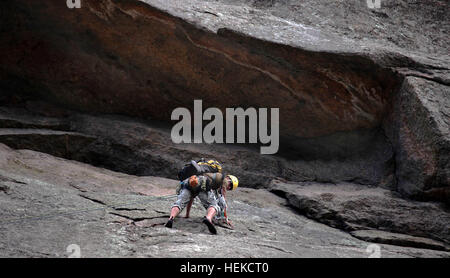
[322,83]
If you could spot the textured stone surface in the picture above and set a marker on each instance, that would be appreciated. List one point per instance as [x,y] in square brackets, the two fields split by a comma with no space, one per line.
[408,25]
[421,136]
[363,98]
[354,207]
[45,208]
[339,95]
[398,239]
[166,62]
[22,118]
[59,143]
[139,147]
[144,148]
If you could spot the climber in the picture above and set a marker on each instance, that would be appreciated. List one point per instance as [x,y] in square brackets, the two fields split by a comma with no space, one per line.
[198,167]
[204,186]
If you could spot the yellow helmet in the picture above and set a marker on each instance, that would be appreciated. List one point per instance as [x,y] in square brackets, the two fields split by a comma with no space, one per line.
[234,180]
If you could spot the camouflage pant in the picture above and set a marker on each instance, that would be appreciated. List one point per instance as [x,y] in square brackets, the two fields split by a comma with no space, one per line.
[222,206]
[207,198]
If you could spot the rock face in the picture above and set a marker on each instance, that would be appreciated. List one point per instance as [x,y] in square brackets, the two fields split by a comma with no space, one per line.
[412,26]
[363,122]
[50,204]
[166,62]
[398,239]
[354,207]
[339,97]
[145,148]
[137,147]
[59,143]
[333,93]
[318,93]
[421,134]
[23,118]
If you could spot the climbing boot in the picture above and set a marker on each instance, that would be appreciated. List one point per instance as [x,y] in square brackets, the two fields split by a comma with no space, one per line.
[169,223]
[210,226]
